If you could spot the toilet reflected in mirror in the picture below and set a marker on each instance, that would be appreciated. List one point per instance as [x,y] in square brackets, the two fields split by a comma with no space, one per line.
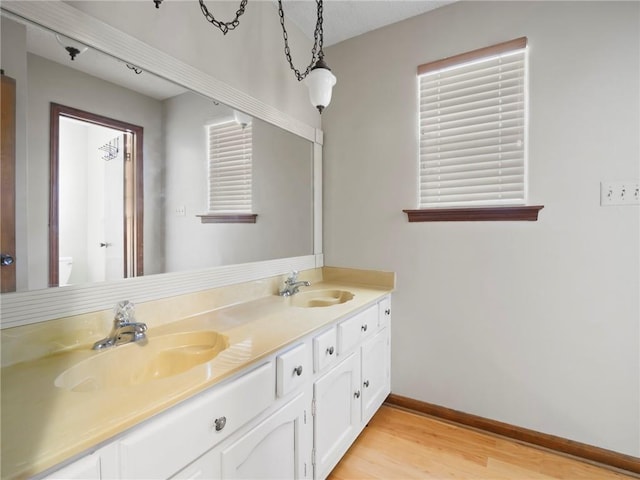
[64,270]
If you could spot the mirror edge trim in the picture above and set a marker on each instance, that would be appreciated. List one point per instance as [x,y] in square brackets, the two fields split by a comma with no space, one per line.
[23,308]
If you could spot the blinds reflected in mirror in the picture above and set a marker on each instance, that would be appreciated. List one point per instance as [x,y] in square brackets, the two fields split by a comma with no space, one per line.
[230,167]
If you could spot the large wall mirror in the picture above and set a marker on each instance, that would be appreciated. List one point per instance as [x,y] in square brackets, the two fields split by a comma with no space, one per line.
[113,171]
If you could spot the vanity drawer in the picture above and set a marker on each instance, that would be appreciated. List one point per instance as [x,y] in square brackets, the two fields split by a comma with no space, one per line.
[161,447]
[293,369]
[352,331]
[325,349]
[384,312]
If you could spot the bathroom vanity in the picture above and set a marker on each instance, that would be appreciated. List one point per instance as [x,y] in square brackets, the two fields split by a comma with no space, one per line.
[285,386]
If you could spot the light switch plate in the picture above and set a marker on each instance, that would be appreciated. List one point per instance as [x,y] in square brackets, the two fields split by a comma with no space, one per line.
[620,193]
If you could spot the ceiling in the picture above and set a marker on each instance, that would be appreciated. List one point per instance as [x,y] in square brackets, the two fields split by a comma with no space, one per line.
[48,45]
[343,19]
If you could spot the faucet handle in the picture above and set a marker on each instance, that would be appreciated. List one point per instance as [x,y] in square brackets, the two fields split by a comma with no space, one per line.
[293,278]
[124,312]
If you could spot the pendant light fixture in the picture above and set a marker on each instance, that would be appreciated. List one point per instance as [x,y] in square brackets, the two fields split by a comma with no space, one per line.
[319,78]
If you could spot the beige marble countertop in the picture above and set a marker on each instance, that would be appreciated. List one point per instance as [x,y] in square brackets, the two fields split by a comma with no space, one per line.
[43,425]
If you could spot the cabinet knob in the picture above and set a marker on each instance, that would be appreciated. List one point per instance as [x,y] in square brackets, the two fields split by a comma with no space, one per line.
[387,311]
[366,384]
[364,327]
[298,370]
[330,350]
[6,260]
[357,394]
[220,423]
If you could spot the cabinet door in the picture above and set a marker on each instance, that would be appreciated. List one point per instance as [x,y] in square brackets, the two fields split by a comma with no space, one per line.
[337,413]
[87,468]
[207,467]
[99,465]
[275,448]
[375,373]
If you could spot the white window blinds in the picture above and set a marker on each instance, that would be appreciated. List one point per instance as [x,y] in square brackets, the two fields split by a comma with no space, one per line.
[473,128]
[230,168]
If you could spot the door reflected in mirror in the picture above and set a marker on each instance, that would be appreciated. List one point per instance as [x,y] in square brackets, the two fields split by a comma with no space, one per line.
[160,229]
[95,200]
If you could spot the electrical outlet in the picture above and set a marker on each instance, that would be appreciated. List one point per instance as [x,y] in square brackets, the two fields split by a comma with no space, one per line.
[620,193]
[181,211]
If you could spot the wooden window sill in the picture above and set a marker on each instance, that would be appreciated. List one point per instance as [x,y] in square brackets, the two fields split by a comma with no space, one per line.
[228,218]
[476,214]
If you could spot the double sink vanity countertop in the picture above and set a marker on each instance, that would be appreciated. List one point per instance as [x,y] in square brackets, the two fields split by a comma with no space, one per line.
[44,424]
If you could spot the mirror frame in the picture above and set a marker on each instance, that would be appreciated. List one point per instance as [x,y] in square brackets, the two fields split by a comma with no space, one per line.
[23,308]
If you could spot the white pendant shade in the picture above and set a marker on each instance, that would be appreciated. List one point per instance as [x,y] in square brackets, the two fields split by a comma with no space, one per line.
[320,82]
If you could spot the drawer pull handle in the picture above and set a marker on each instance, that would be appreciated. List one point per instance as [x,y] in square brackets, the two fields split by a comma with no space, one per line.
[364,327]
[357,394]
[330,350]
[366,384]
[220,423]
[387,311]
[298,370]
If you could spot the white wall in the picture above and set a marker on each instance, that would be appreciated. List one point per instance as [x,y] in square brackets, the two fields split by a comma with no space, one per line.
[534,324]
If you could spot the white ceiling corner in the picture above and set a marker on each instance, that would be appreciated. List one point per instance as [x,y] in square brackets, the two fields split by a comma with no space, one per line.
[344,19]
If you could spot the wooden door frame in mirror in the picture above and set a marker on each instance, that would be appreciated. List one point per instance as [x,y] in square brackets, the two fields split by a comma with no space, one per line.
[22,308]
[133,237]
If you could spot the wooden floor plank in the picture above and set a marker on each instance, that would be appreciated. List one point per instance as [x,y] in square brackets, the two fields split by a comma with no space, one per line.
[398,445]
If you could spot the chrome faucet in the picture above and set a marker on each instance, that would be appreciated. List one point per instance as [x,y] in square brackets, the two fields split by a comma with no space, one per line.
[125,328]
[292,285]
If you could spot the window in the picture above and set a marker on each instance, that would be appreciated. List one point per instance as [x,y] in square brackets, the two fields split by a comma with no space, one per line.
[473,135]
[230,173]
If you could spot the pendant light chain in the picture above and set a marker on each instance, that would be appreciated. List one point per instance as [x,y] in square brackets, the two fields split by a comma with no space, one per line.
[316,51]
[224,26]
[318,75]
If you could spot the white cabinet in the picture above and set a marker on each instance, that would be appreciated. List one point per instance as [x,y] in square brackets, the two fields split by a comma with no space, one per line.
[99,465]
[375,373]
[207,467]
[336,413]
[293,369]
[353,331]
[384,312]
[277,448]
[325,349]
[165,444]
[87,468]
[348,395]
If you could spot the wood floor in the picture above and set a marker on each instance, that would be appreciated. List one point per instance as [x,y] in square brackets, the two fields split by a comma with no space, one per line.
[401,445]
